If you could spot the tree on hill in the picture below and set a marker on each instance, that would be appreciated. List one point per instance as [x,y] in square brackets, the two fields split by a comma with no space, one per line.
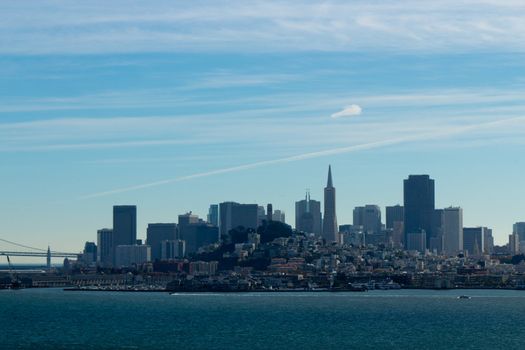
[274,229]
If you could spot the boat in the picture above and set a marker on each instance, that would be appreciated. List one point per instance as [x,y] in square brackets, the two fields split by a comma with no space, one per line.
[464,297]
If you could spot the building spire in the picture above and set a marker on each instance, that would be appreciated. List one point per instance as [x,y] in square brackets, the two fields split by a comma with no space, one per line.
[329,183]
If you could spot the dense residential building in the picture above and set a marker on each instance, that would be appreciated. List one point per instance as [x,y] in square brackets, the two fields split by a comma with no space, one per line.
[369,217]
[233,215]
[394,214]
[419,205]
[124,225]
[156,233]
[213,215]
[330,228]
[105,249]
[308,216]
[474,240]
[452,230]
[134,254]
[351,234]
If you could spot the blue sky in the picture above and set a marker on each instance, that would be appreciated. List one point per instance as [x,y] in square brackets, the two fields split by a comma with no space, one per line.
[175,105]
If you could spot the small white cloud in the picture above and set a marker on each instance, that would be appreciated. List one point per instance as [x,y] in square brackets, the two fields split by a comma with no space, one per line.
[348,111]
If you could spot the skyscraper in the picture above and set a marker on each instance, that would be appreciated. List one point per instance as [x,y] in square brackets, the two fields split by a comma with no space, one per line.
[233,215]
[308,216]
[278,215]
[452,228]
[213,215]
[157,233]
[330,228]
[199,234]
[519,229]
[394,214]
[369,217]
[419,205]
[105,249]
[124,226]
[474,240]
[186,220]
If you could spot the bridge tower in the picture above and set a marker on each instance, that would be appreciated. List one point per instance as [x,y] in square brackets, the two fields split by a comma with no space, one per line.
[48,258]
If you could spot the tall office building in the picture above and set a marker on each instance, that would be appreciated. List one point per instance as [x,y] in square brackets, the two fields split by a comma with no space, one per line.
[437,241]
[419,205]
[452,228]
[157,233]
[308,215]
[369,217]
[330,228]
[261,215]
[199,234]
[184,221]
[175,249]
[124,225]
[394,214]
[474,240]
[89,255]
[278,215]
[232,215]
[213,215]
[519,229]
[105,249]
[488,241]
[269,212]
[514,244]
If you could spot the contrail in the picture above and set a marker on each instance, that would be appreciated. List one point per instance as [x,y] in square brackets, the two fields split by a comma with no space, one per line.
[318,154]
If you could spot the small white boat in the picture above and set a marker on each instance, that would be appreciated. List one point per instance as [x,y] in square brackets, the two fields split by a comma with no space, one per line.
[464,297]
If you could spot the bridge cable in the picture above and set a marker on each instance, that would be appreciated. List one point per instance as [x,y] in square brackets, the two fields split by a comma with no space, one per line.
[22,245]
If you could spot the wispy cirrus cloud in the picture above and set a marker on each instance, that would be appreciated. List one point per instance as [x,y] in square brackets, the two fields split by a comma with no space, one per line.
[280,120]
[438,133]
[299,25]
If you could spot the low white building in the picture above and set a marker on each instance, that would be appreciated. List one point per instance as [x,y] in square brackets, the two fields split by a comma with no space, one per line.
[129,255]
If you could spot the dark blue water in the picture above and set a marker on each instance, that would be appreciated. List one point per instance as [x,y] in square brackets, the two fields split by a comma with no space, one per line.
[415,319]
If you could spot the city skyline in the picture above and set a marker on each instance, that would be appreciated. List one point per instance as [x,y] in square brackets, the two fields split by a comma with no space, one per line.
[187,105]
[231,173]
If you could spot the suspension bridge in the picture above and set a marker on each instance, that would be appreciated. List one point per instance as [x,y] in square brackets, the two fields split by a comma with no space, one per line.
[34,252]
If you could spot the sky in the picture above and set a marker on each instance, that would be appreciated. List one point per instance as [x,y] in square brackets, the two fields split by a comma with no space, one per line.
[175,105]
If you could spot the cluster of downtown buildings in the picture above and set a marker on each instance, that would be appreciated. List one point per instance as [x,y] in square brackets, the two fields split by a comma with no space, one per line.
[415,226]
